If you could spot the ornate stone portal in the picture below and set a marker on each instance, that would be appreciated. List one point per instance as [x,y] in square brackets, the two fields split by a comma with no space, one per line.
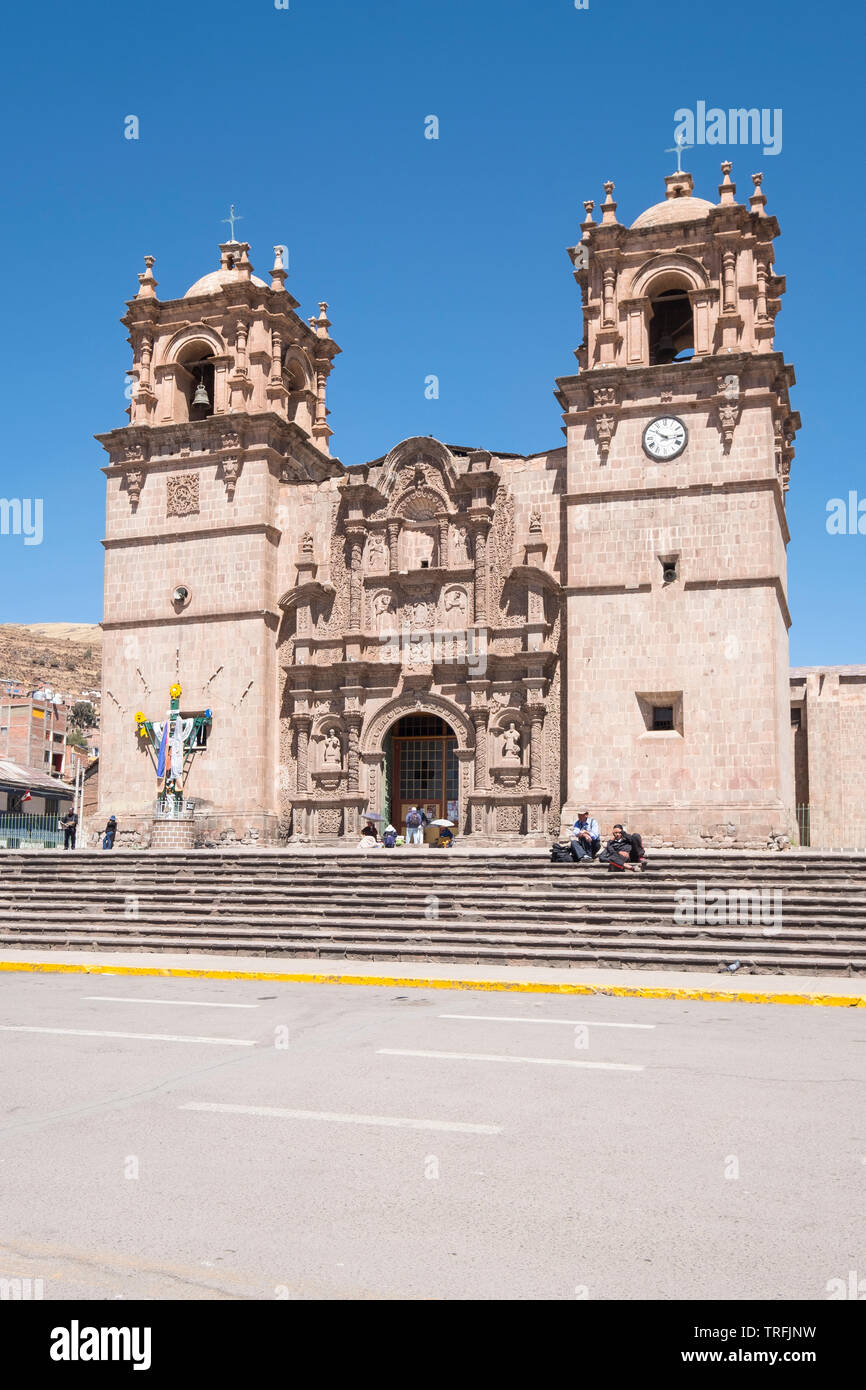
[422,613]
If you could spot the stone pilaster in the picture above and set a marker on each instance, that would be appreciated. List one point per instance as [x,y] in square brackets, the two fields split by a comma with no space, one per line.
[353,725]
[356,551]
[481,572]
[536,746]
[302,723]
[480,715]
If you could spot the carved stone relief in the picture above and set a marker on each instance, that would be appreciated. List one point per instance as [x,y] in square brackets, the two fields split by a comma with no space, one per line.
[182,495]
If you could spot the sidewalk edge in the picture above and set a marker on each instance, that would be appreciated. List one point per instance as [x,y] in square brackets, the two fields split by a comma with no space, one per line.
[846,1001]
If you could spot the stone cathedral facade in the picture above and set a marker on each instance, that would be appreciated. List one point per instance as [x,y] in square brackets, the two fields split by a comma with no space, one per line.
[502,638]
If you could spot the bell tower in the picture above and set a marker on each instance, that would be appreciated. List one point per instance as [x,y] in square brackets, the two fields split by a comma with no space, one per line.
[210,487]
[679,437]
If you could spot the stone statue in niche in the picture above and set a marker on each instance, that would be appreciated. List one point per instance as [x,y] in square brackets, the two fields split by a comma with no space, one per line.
[333,749]
[511,744]
[377,557]
[383,607]
[456,603]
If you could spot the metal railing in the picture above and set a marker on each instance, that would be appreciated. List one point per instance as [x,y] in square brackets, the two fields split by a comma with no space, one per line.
[173,808]
[29,832]
[803,827]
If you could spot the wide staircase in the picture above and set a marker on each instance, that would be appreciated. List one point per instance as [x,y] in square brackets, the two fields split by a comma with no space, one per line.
[434,905]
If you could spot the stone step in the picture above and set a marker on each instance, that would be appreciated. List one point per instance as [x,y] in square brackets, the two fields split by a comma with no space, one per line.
[625,891]
[628,887]
[753,937]
[422,863]
[567,882]
[502,907]
[325,909]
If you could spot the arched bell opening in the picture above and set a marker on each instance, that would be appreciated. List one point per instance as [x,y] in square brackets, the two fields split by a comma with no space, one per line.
[195,380]
[672,327]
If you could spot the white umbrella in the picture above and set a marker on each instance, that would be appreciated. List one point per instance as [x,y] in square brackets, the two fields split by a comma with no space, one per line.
[443,822]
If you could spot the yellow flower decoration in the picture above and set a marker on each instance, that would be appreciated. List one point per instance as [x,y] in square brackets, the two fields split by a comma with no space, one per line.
[175,691]
[139,717]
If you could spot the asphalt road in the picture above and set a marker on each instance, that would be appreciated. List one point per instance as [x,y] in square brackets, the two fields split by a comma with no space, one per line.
[223,1140]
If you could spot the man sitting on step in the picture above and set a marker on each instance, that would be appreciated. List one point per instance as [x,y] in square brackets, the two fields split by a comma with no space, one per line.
[623,851]
[585,837]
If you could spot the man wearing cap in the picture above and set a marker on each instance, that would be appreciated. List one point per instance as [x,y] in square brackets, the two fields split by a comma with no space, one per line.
[585,837]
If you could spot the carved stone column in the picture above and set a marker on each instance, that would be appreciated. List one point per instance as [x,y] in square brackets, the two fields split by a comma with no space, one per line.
[356,551]
[320,422]
[608,283]
[481,572]
[241,349]
[536,747]
[302,724]
[353,724]
[729,293]
[144,383]
[443,542]
[393,545]
[480,717]
[276,356]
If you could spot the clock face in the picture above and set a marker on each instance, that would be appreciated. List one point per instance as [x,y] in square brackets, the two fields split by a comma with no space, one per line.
[665,438]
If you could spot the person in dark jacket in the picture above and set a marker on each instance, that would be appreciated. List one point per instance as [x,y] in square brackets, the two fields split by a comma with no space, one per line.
[110,832]
[623,851]
[69,825]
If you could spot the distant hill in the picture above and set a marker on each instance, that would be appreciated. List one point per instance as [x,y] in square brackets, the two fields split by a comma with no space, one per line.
[66,656]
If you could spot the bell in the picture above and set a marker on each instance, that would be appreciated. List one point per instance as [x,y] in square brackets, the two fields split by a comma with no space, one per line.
[201,396]
[665,350]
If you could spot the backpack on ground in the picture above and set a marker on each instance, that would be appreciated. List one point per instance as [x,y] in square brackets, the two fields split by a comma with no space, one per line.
[560,854]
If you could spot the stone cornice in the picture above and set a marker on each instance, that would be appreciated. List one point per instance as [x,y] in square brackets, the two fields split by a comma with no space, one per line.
[268,617]
[766,483]
[264,428]
[767,581]
[252,528]
[770,581]
[641,383]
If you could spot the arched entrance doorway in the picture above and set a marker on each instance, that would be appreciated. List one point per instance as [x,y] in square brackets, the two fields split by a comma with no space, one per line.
[422,768]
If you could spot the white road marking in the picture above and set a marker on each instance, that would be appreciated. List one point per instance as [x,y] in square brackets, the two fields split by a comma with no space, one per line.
[492,1057]
[393,1121]
[143,1037]
[196,1003]
[569,1022]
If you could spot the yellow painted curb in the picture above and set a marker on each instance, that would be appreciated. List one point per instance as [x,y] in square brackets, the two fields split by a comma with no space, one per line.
[725,996]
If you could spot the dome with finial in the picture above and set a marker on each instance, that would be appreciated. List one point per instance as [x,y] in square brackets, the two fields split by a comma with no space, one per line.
[679,205]
[234,269]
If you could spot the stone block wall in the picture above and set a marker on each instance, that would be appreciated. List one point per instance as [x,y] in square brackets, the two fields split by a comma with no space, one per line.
[833,745]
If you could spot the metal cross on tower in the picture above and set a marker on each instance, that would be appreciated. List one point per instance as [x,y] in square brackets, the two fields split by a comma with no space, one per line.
[678,149]
[232,218]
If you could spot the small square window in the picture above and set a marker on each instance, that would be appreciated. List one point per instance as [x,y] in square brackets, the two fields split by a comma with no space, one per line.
[662,712]
[663,717]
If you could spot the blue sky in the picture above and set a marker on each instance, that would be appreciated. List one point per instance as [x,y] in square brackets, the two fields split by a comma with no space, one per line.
[443,257]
